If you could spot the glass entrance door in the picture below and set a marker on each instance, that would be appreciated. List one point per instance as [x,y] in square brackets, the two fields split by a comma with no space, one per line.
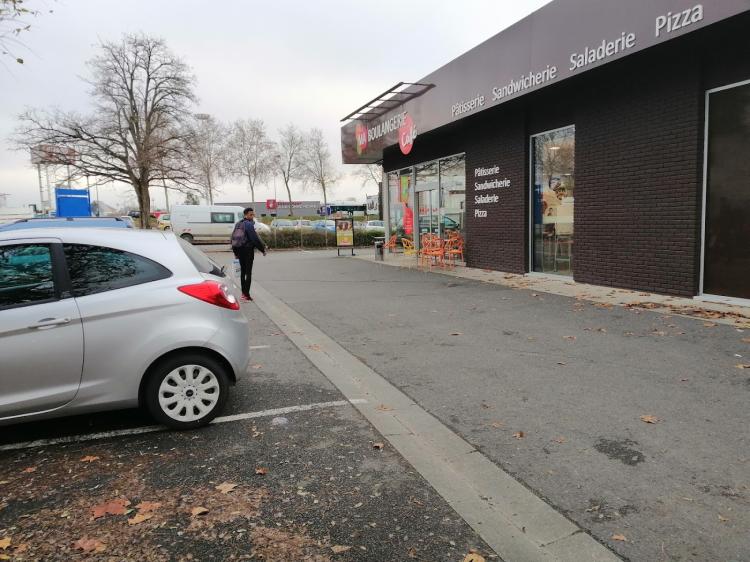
[553,165]
[727,229]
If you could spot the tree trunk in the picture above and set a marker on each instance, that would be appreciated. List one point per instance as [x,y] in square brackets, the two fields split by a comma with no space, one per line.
[144,204]
[325,197]
[289,193]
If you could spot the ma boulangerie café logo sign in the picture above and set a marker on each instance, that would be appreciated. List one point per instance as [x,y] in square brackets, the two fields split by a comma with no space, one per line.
[401,122]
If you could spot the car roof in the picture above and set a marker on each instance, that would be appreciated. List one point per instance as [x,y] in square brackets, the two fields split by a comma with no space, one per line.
[66,222]
[162,247]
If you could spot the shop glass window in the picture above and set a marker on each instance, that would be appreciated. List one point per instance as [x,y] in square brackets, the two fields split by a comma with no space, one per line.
[727,237]
[95,269]
[400,189]
[25,275]
[453,194]
[553,165]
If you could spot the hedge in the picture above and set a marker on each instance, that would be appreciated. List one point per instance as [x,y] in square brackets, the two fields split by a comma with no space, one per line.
[315,239]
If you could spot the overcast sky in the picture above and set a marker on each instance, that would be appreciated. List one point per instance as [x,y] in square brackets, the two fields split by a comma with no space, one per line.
[303,62]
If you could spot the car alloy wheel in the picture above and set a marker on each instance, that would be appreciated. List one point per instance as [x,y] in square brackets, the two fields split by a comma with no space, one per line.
[189,393]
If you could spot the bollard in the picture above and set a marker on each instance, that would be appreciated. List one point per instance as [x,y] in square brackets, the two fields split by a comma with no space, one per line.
[379,250]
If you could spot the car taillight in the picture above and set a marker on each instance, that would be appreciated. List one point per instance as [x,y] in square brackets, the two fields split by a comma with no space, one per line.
[212,293]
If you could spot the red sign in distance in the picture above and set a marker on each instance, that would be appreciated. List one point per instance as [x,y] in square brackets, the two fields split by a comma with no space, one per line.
[271,204]
[406,135]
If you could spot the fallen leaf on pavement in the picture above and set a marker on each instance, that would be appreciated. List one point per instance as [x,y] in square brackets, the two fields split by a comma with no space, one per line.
[745,340]
[743,366]
[709,324]
[650,419]
[384,408]
[226,487]
[147,507]
[497,424]
[117,506]
[140,518]
[519,435]
[474,557]
[456,334]
[338,549]
[30,469]
[89,545]
[570,338]
[560,440]
[4,543]
[256,367]
[620,538]
[314,347]
[378,446]
[412,552]
[561,363]
[89,458]
[261,471]
[723,519]
[198,511]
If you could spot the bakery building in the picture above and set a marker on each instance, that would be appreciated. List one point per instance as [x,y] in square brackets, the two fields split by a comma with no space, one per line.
[603,140]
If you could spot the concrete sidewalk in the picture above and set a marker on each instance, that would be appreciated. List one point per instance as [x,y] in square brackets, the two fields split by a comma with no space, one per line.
[721,313]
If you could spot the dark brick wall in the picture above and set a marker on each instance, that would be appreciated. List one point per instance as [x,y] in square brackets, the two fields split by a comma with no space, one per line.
[637,196]
[639,158]
[498,241]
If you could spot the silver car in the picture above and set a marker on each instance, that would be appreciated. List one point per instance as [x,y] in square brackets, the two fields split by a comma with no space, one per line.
[96,319]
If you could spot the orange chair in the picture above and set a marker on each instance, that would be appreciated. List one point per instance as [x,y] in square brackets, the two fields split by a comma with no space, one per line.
[434,253]
[391,244]
[409,248]
[455,249]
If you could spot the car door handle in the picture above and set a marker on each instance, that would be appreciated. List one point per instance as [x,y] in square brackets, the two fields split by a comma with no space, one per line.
[50,323]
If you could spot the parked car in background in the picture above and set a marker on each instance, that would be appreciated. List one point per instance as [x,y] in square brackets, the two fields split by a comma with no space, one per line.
[303,224]
[67,296]
[204,223]
[324,225]
[67,222]
[129,220]
[262,228]
[371,226]
[282,224]
[163,222]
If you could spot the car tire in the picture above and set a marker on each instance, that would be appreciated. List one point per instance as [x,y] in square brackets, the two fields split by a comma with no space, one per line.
[187,391]
[187,237]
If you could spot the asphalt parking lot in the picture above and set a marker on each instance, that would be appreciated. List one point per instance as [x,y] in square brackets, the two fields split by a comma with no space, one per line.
[309,482]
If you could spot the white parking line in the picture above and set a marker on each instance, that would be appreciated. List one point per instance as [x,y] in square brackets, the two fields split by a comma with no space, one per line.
[155,428]
[259,346]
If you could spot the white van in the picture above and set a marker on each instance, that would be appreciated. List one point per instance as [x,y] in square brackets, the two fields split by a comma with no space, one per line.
[204,223]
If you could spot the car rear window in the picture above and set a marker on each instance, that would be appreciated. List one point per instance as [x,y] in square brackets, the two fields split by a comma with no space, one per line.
[201,261]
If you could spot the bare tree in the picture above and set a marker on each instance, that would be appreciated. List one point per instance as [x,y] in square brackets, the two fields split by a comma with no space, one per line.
[136,134]
[316,162]
[207,154]
[289,161]
[250,153]
[14,20]
[369,173]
